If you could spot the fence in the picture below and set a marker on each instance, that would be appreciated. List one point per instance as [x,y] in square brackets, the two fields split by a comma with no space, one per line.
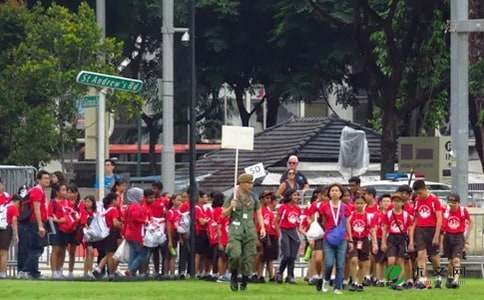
[13,177]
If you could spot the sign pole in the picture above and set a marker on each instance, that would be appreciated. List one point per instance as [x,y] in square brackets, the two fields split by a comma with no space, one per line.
[101,141]
[236,167]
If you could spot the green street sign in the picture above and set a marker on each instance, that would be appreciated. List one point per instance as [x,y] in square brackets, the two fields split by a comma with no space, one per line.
[89,101]
[109,81]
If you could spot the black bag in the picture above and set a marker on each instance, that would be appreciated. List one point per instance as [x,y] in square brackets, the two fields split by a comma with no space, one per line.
[25,210]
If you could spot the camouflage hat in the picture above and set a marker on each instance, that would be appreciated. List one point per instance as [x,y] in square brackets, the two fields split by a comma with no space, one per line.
[246,178]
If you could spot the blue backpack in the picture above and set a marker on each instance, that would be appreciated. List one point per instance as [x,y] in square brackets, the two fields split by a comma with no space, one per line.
[337,235]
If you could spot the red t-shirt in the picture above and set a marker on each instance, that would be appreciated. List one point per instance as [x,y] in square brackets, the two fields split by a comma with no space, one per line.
[361,224]
[313,208]
[408,207]
[379,224]
[156,209]
[455,221]
[394,221]
[223,223]
[4,198]
[37,194]
[185,207]
[173,217]
[111,214]
[200,213]
[84,215]
[325,213]
[136,217]
[372,210]
[12,211]
[289,216]
[269,221]
[425,210]
[305,219]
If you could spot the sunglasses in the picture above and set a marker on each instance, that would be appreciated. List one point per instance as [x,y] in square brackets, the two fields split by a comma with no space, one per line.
[292,163]
[452,200]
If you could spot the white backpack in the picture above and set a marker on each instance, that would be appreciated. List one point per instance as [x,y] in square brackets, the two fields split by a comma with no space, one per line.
[3,216]
[98,230]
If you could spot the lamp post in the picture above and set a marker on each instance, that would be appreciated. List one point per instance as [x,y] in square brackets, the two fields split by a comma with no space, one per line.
[193,155]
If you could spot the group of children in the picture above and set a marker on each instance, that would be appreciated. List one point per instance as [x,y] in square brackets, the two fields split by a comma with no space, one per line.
[362,236]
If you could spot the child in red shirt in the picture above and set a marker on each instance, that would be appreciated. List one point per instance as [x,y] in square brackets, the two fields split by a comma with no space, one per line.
[428,223]
[362,225]
[173,217]
[287,223]
[156,211]
[456,220]
[202,248]
[87,211]
[222,234]
[380,258]
[397,235]
[10,233]
[270,244]
[57,213]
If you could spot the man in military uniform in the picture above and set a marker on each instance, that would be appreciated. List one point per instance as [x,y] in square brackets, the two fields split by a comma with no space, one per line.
[241,249]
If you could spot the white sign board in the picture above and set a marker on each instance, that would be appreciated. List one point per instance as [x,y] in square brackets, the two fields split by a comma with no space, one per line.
[238,137]
[256,170]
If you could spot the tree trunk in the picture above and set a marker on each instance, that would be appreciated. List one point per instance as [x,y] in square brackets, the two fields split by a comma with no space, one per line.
[154,134]
[389,140]
[272,109]
[476,51]
[239,97]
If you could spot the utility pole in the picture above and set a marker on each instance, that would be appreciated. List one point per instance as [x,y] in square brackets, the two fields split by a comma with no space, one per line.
[101,108]
[460,27]
[168,151]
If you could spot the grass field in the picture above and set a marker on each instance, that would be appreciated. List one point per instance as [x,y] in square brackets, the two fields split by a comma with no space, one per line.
[199,290]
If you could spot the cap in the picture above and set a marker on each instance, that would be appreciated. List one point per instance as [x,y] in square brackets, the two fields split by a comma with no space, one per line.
[246,178]
[396,197]
[134,195]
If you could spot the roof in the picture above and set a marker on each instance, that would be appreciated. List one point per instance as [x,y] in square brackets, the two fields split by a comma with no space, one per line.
[312,139]
[145,149]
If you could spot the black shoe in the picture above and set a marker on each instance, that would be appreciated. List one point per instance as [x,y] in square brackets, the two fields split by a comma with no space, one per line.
[448,283]
[234,284]
[353,288]
[360,288]
[243,284]
[261,280]
[331,282]
[272,279]
[367,281]
[181,277]
[438,284]
[408,285]
[290,280]
[278,278]
[396,287]
[380,283]
[455,284]
[319,284]
[420,286]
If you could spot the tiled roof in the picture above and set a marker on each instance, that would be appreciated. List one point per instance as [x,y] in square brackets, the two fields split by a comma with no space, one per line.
[312,139]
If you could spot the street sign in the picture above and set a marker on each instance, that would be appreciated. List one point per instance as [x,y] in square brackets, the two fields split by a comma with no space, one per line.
[89,101]
[109,81]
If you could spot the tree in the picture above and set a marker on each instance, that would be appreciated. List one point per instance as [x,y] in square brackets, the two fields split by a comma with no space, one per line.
[395,41]
[39,91]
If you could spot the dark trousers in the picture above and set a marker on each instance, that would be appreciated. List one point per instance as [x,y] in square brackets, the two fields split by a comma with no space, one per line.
[35,248]
[23,230]
[184,261]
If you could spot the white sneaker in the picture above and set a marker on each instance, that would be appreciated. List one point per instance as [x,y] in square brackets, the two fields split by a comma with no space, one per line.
[20,275]
[324,287]
[338,292]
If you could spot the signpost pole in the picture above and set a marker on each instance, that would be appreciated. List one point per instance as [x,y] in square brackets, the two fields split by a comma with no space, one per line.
[236,167]
[101,141]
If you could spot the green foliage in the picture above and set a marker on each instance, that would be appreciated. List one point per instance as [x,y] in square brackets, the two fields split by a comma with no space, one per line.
[51,46]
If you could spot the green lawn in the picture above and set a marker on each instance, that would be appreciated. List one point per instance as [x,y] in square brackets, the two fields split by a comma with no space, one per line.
[198,290]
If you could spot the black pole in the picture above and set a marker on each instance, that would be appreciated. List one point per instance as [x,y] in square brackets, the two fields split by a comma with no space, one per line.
[193,155]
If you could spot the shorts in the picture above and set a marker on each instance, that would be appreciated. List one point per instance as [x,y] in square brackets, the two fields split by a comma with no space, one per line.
[110,243]
[6,238]
[380,257]
[454,245]
[363,254]
[222,254]
[423,240]
[69,238]
[202,245]
[318,245]
[270,248]
[57,238]
[397,245]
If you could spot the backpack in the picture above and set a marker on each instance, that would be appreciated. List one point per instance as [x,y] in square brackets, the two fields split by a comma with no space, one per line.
[25,208]
[184,224]
[98,230]
[3,216]
[154,235]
